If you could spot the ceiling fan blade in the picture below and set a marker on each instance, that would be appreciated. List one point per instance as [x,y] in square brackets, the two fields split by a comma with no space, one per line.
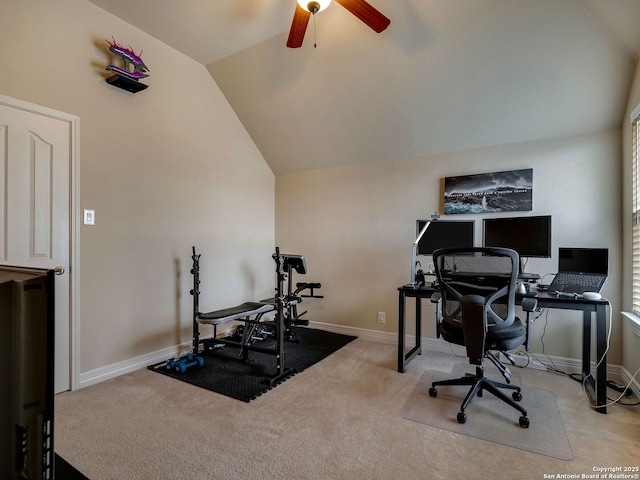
[366,13]
[298,27]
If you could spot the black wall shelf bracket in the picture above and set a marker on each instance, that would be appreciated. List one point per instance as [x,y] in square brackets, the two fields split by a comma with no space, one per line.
[125,83]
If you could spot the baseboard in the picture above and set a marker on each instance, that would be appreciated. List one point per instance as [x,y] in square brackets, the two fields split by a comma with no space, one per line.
[127,366]
[627,378]
[614,372]
[564,364]
[372,335]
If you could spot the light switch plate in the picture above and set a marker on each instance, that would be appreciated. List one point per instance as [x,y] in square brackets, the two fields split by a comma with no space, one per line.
[89,217]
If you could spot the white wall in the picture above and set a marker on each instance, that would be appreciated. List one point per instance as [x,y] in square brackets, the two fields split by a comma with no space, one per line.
[355,225]
[164,169]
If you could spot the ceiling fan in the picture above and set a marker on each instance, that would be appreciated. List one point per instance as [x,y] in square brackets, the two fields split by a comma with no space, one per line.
[360,8]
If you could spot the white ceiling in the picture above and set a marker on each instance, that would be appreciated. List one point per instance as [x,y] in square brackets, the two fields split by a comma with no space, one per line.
[447,75]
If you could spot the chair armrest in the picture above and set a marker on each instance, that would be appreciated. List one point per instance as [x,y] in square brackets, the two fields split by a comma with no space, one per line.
[436,298]
[529,304]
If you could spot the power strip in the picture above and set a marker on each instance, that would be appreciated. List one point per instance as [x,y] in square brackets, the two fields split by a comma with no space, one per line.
[523,361]
[618,387]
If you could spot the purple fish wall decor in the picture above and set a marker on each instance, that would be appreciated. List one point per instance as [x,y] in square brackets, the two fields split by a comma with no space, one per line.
[133,69]
[130,59]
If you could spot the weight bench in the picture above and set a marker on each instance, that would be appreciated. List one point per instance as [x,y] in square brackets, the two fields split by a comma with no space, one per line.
[244,313]
[241,312]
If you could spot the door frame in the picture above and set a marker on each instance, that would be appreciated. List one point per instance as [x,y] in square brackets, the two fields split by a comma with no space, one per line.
[74,224]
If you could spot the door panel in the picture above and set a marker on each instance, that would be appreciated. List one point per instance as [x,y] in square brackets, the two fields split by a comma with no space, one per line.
[35,159]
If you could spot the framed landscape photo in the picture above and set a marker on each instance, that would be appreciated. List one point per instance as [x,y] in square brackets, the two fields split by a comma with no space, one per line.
[509,191]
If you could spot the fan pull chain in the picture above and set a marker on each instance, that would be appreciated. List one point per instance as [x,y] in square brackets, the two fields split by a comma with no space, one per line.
[315,32]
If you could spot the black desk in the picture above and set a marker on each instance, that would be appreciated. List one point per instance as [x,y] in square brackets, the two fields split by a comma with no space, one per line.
[596,387]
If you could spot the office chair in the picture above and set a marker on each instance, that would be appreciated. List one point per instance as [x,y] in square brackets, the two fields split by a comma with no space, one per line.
[476,308]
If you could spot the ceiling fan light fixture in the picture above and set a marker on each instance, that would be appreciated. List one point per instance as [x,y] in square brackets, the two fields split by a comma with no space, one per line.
[314,6]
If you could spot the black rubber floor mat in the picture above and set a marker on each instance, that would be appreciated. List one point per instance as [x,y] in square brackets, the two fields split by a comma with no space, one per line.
[225,372]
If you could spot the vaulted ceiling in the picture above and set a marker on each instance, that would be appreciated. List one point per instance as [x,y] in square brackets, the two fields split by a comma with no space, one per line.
[447,75]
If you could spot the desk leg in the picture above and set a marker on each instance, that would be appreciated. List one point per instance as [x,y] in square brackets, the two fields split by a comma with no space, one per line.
[418,347]
[401,330]
[596,385]
[403,359]
[586,344]
[601,356]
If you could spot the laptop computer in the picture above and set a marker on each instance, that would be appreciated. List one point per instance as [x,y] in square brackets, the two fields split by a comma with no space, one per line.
[580,270]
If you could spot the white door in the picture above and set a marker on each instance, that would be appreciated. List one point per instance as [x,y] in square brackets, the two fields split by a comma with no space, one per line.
[35,163]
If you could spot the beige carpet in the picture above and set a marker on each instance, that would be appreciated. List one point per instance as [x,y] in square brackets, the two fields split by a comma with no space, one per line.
[336,420]
[489,418]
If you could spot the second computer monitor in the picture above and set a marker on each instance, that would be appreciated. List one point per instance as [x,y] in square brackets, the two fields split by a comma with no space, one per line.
[529,236]
[445,234]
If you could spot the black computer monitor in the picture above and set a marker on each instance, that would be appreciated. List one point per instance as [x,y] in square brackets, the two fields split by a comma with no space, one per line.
[529,236]
[445,234]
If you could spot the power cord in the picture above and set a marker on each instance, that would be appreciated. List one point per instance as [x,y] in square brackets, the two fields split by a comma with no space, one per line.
[541,281]
[623,393]
[573,376]
[553,368]
[576,376]
[617,400]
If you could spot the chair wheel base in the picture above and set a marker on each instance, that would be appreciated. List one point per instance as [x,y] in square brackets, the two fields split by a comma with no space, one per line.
[433,392]
[462,417]
[524,421]
[517,396]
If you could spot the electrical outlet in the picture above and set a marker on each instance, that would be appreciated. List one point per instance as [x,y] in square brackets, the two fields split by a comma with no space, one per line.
[381,318]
